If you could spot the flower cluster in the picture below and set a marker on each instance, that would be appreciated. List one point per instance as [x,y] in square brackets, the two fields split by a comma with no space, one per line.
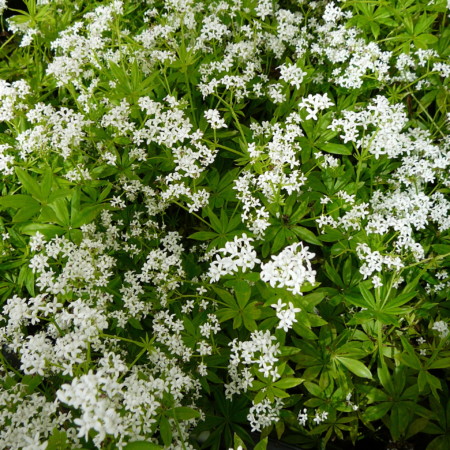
[196,196]
[237,254]
[264,414]
[286,316]
[291,268]
[262,350]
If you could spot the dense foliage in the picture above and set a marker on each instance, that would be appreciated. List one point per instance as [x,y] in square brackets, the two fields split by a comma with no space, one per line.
[224,222]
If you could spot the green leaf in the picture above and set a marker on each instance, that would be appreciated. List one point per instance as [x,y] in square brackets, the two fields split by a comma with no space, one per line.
[32,382]
[47,182]
[135,323]
[26,213]
[306,235]
[243,292]
[422,381]
[259,397]
[401,299]
[355,366]
[12,264]
[26,278]
[411,360]
[385,378]
[333,275]
[19,201]
[287,383]
[261,445]
[289,351]
[142,445]
[368,297]
[183,413]
[399,419]
[57,440]
[417,426]
[279,241]
[441,249]
[237,321]
[377,411]
[443,363]
[203,235]
[301,211]
[48,215]
[59,193]
[347,271]
[165,431]
[61,209]
[49,231]
[373,394]
[279,392]
[314,389]
[216,224]
[310,300]
[86,215]
[249,323]
[331,235]
[303,331]
[424,40]
[315,320]
[238,442]
[30,184]
[225,296]
[225,314]
[337,149]
[440,443]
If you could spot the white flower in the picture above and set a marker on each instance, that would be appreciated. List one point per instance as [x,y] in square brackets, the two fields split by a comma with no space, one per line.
[320,417]
[315,103]
[376,281]
[214,119]
[37,241]
[6,161]
[441,327]
[286,316]
[291,268]
[3,6]
[264,414]
[238,253]
[278,306]
[291,74]
[302,417]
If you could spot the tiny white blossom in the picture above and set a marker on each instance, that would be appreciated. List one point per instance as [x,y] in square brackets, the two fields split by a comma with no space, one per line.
[214,119]
[286,316]
[441,327]
[291,74]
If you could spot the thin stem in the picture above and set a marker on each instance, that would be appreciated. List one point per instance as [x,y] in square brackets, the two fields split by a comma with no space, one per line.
[109,336]
[233,114]
[223,146]
[428,115]
[193,213]
[431,258]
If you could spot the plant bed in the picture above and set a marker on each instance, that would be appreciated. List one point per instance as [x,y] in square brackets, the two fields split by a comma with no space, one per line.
[225,224]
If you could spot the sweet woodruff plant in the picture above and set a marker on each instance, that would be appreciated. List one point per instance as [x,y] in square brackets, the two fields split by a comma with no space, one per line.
[224,223]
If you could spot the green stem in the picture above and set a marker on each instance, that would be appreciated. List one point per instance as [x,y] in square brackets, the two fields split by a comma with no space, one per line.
[193,213]
[233,114]
[431,258]
[109,336]
[138,357]
[179,431]
[222,146]
[427,114]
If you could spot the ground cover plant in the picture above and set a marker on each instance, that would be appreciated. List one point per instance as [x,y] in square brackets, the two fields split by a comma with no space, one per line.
[224,223]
